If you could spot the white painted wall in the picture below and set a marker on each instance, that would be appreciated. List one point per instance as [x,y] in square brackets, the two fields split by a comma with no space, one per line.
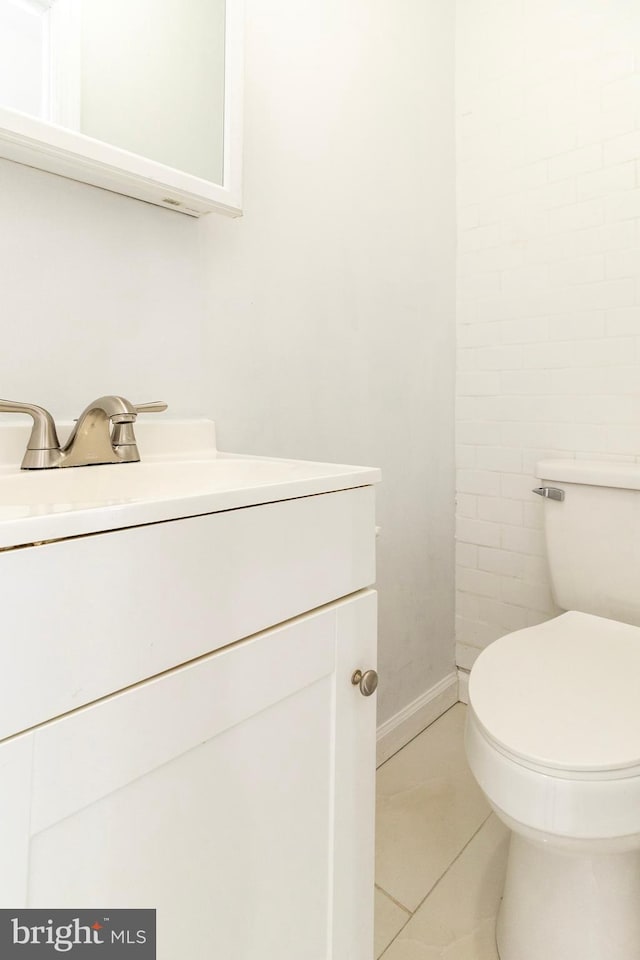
[100,293]
[331,332]
[548,126]
[320,325]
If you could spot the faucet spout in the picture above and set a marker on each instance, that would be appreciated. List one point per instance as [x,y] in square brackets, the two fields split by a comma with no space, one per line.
[113,408]
[90,440]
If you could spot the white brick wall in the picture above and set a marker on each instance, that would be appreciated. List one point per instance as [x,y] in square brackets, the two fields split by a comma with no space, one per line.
[548,128]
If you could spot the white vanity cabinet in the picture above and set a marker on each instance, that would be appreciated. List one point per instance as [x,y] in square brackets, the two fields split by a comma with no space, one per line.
[181,731]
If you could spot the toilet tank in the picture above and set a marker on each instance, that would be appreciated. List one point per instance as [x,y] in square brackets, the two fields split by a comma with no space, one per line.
[593,536]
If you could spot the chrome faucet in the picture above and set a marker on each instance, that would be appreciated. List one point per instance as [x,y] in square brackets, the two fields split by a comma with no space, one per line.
[103,433]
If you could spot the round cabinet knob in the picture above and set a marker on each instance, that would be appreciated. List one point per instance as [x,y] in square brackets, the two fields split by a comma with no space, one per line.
[367,681]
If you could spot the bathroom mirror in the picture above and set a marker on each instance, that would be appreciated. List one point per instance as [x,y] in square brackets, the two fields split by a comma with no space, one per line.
[142,97]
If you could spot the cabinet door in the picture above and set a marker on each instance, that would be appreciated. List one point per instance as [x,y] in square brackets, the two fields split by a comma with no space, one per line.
[215,793]
[354,791]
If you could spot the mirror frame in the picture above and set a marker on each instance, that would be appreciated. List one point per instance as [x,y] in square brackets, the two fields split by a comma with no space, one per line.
[49,147]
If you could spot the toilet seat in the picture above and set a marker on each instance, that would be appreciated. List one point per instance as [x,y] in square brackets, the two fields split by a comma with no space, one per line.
[562,698]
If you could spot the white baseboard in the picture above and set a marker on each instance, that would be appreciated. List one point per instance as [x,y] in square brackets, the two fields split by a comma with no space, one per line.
[395,732]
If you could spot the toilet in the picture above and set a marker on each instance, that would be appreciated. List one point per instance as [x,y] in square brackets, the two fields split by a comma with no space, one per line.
[553,730]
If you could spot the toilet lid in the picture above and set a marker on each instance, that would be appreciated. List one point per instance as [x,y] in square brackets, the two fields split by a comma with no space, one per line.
[564,694]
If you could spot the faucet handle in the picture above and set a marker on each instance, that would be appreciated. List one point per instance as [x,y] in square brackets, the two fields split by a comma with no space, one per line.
[43,433]
[155,406]
[123,438]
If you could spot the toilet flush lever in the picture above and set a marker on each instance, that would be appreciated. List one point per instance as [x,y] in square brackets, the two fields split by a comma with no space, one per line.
[551,493]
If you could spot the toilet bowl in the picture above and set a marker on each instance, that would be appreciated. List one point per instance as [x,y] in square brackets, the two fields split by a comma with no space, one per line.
[553,739]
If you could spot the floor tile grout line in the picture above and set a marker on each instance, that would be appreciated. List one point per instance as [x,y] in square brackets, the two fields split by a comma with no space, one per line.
[436,884]
[419,734]
[393,899]
[455,859]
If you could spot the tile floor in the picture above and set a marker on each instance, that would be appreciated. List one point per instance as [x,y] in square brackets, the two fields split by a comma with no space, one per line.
[440,853]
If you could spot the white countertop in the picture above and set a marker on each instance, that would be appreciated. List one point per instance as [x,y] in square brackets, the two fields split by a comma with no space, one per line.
[181,474]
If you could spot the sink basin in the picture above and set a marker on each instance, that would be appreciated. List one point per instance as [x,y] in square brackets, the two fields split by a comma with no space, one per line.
[42,505]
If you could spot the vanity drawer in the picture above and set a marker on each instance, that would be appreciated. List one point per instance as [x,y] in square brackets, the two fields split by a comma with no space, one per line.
[86,617]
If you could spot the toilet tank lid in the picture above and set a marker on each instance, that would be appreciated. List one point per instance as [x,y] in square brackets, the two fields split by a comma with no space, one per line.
[599,473]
